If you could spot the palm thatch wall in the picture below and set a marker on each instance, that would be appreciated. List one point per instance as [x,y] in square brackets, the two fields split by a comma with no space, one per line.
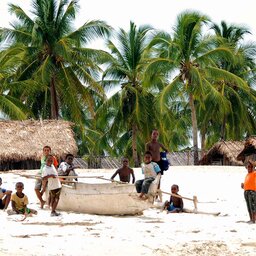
[22,142]
[223,153]
[249,150]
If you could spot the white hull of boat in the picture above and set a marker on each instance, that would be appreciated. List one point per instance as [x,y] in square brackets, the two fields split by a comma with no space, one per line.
[104,198]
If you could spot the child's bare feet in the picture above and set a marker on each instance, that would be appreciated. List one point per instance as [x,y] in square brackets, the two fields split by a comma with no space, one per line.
[42,204]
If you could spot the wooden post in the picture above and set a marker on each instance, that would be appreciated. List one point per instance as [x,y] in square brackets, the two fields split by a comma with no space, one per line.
[195,201]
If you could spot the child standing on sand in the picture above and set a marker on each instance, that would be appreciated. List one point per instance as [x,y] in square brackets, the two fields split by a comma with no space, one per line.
[176,203]
[249,187]
[38,184]
[50,174]
[5,197]
[150,170]
[20,201]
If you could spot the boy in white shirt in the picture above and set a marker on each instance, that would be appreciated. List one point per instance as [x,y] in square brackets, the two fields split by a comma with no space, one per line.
[50,174]
[150,170]
[67,168]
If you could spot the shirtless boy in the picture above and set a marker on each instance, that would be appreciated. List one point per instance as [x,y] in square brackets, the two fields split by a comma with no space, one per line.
[154,147]
[125,172]
[176,203]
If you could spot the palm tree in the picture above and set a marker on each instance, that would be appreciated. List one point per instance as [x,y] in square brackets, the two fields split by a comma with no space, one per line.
[240,117]
[193,57]
[10,107]
[132,107]
[54,69]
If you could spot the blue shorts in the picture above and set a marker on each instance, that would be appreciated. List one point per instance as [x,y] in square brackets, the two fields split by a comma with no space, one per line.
[172,208]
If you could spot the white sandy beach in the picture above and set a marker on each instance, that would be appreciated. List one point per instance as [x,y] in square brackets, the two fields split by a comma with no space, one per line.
[153,233]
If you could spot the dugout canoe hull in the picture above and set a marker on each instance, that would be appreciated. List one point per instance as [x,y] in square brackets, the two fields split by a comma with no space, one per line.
[105,198]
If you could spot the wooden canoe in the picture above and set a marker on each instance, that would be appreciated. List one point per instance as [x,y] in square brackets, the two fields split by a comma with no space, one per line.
[105,198]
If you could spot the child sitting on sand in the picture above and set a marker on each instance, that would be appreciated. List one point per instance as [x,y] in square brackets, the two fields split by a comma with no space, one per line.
[67,168]
[20,201]
[176,203]
[249,187]
[5,197]
[150,170]
[125,172]
[50,174]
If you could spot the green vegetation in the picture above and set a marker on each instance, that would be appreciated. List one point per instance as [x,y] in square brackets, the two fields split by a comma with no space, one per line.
[187,83]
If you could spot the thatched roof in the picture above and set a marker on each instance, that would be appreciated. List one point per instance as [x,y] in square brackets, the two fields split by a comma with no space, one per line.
[24,140]
[181,158]
[248,149]
[227,150]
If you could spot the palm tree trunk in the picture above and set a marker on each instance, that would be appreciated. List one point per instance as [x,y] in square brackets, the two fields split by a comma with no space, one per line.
[194,128]
[54,101]
[223,129]
[202,142]
[134,145]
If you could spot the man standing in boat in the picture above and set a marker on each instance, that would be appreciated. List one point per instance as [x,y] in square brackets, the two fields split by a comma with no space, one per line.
[125,172]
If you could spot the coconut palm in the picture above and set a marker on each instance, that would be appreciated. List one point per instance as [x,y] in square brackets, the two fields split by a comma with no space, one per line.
[241,118]
[62,74]
[131,108]
[10,107]
[193,57]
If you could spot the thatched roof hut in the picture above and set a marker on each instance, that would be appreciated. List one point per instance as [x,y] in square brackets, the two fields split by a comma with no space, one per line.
[22,142]
[223,153]
[249,150]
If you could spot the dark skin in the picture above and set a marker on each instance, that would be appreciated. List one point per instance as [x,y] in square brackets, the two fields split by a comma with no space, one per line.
[6,197]
[69,160]
[20,194]
[125,172]
[53,202]
[250,169]
[154,146]
[39,194]
[176,201]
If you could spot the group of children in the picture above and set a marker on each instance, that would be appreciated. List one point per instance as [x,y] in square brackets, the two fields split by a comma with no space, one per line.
[48,176]
[150,169]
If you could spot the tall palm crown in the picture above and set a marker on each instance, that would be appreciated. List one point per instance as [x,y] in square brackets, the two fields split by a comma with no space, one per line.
[241,119]
[52,61]
[194,55]
[130,107]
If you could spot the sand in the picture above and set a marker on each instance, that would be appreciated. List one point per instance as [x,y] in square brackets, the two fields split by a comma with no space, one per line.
[153,233]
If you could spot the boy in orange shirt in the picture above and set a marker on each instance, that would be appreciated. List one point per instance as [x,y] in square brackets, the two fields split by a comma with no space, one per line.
[249,187]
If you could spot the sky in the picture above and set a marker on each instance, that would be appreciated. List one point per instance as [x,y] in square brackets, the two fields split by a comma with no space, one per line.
[161,14]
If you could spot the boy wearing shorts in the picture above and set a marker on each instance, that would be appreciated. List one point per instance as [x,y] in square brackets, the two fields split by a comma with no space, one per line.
[50,178]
